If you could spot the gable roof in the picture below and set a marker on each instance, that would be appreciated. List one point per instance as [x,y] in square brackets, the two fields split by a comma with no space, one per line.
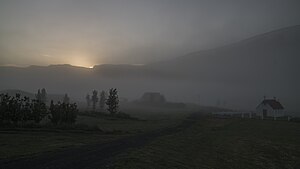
[276,105]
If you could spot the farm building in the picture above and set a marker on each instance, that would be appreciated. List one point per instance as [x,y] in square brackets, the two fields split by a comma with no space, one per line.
[153,97]
[270,108]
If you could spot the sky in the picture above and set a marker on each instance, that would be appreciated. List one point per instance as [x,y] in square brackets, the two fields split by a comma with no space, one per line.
[92,32]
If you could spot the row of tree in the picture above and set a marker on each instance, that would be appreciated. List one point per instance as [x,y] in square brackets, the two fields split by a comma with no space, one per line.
[62,113]
[111,100]
[17,109]
[94,99]
[42,96]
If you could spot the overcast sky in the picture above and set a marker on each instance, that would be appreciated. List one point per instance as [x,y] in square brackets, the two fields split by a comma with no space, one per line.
[90,32]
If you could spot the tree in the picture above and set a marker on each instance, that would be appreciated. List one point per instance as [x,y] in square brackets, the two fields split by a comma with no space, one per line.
[54,113]
[38,96]
[66,99]
[41,95]
[69,113]
[39,110]
[112,101]
[11,109]
[44,95]
[102,100]
[63,113]
[15,109]
[88,100]
[4,108]
[26,109]
[95,99]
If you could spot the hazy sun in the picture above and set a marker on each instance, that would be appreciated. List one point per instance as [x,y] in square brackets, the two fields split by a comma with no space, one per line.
[82,62]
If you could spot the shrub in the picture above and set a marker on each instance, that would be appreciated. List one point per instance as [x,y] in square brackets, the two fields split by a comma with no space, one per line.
[63,113]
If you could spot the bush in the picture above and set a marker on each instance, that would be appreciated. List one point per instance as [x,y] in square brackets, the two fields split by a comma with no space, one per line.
[63,113]
[17,109]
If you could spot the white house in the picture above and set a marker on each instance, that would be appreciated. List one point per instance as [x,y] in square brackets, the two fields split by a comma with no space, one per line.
[270,108]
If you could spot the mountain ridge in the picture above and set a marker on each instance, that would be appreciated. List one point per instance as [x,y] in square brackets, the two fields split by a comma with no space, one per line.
[240,74]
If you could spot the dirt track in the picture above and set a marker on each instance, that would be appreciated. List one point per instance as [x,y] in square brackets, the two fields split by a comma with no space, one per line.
[92,156]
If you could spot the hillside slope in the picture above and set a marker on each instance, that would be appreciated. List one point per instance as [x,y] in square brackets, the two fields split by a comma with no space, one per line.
[238,75]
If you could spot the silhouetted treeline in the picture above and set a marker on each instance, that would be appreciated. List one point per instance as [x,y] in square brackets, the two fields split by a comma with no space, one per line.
[62,113]
[17,109]
[111,101]
[41,95]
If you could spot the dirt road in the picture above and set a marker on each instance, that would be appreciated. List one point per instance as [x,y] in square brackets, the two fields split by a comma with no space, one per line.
[92,156]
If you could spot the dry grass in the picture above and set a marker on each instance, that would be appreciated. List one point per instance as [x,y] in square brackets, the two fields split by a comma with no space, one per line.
[222,143]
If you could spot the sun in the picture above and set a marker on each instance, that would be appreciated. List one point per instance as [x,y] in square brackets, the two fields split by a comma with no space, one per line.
[82,62]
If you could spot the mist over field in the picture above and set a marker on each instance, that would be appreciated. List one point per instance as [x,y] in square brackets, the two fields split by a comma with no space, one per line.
[238,74]
[202,52]
[149,84]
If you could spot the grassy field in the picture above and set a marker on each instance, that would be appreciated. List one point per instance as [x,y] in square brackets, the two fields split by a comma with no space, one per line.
[219,144]
[206,143]
[144,122]
[19,142]
[24,143]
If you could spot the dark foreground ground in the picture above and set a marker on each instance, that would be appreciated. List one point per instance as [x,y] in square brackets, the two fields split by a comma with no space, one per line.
[92,156]
[198,142]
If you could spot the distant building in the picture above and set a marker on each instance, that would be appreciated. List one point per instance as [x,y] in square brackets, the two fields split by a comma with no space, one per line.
[270,108]
[153,97]
[123,100]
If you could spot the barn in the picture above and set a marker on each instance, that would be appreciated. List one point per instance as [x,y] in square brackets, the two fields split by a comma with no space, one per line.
[270,108]
[153,97]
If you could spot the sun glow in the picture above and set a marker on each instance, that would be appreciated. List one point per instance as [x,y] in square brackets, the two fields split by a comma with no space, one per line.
[83,65]
[82,62]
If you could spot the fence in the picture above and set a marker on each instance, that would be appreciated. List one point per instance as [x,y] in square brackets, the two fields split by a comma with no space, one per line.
[248,115]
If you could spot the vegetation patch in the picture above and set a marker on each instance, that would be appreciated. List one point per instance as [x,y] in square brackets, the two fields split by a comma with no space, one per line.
[221,143]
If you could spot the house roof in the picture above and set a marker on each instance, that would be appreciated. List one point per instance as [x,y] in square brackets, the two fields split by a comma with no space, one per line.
[276,105]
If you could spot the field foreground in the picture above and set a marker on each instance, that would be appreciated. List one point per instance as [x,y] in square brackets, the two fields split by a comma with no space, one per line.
[198,142]
[221,143]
